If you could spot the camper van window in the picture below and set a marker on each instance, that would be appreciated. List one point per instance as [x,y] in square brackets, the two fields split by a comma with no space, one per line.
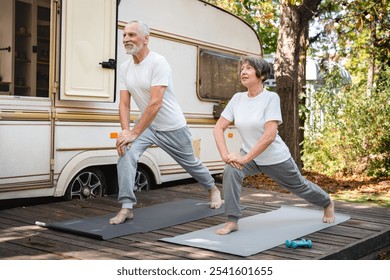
[218,75]
[30,51]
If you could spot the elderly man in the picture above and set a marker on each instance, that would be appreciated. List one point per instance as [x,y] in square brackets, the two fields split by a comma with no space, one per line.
[146,76]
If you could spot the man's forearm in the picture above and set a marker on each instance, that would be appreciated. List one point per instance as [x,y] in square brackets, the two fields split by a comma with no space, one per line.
[124,118]
[124,109]
[147,118]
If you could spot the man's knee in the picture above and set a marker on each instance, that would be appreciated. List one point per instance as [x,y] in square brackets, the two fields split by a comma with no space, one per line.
[231,172]
[129,160]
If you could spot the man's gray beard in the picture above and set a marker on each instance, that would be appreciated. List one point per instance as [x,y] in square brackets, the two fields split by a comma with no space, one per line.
[133,51]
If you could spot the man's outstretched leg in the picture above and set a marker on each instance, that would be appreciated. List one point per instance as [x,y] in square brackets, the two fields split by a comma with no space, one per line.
[178,144]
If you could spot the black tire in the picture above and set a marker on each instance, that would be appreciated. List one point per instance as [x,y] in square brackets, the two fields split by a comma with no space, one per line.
[143,180]
[88,183]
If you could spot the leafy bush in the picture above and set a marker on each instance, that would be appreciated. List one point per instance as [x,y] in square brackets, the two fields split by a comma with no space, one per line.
[355,134]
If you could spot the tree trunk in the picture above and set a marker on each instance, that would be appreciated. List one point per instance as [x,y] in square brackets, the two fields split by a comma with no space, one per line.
[302,91]
[292,43]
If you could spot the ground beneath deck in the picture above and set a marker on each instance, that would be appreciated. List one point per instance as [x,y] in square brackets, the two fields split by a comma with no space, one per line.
[365,236]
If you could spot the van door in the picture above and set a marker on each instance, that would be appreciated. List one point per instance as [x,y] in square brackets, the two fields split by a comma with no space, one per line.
[88,39]
[25,104]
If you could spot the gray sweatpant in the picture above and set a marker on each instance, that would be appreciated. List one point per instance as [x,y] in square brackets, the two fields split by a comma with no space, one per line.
[177,143]
[286,174]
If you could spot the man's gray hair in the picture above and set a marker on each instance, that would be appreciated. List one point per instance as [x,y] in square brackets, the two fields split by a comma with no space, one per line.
[143,27]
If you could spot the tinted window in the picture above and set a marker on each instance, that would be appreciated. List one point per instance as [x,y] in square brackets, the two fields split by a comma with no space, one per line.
[218,75]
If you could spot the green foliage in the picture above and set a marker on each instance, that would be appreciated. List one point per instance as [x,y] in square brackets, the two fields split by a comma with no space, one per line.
[380,162]
[353,31]
[355,136]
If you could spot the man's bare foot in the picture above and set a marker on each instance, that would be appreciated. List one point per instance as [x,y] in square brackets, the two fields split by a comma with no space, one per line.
[215,198]
[123,215]
[228,228]
[329,213]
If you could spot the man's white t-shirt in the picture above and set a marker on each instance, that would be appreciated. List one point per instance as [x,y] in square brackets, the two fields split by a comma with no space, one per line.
[154,70]
[250,115]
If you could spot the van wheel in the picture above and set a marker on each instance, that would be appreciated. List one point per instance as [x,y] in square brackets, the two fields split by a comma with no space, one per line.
[143,181]
[89,183]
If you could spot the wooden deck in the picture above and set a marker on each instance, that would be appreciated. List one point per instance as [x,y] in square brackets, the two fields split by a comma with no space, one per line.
[365,236]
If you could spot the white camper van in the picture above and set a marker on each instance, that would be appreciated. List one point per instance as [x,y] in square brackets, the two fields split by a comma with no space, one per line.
[58,97]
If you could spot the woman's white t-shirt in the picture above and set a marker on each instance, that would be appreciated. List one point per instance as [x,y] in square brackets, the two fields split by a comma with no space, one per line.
[154,70]
[249,115]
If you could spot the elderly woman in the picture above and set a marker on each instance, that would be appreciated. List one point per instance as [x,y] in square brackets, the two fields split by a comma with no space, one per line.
[256,114]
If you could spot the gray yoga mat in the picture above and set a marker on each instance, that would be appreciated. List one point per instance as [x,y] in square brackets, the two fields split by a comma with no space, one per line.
[259,232]
[145,219]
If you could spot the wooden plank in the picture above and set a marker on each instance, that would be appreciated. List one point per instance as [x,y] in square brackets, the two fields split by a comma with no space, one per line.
[366,232]
[360,248]
[11,251]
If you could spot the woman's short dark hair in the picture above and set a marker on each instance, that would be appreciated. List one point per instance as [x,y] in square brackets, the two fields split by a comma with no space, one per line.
[262,67]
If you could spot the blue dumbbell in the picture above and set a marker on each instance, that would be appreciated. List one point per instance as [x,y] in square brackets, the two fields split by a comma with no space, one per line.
[298,243]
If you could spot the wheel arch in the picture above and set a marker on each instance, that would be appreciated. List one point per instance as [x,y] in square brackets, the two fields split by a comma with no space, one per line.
[88,159]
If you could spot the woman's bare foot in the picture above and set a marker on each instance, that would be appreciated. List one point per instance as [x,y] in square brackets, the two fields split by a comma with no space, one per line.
[228,228]
[329,213]
[123,215]
[215,198]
